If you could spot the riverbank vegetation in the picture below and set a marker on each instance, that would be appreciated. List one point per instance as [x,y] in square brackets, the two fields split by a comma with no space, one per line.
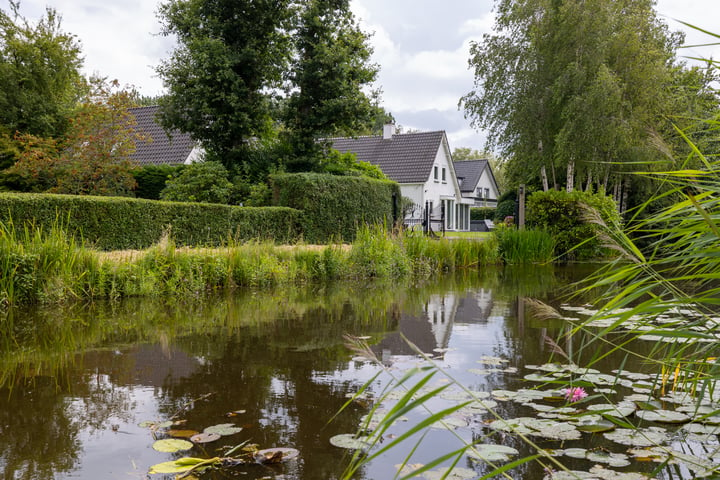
[50,266]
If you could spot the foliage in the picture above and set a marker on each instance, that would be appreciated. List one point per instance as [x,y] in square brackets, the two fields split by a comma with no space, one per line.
[337,163]
[151,179]
[199,182]
[482,213]
[47,268]
[506,205]
[228,55]
[579,87]
[125,223]
[330,68]
[564,215]
[93,157]
[40,79]
[524,246]
[334,207]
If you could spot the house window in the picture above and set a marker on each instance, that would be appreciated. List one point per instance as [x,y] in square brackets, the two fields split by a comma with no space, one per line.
[487,194]
[443,175]
[435,173]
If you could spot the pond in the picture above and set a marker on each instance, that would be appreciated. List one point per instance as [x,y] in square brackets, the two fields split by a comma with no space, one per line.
[87,390]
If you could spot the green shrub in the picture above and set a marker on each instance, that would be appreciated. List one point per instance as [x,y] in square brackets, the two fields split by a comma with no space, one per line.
[505,206]
[151,179]
[334,207]
[205,182]
[482,213]
[113,223]
[561,214]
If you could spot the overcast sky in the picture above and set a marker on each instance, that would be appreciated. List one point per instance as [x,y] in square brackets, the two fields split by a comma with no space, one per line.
[422,47]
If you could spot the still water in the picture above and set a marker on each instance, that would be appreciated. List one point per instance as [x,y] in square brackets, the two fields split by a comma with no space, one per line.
[77,382]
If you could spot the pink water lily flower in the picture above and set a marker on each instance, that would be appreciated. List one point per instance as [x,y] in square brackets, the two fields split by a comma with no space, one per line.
[575,393]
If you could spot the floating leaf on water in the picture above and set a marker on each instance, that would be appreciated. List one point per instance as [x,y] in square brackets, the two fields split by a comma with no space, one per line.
[450,423]
[638,437]
[351,441]
[172,445]
[146,424]
[166,424]
[182,433]
[535,377]
[205,437]
[487,360]
[538,427]
[596,473]
[408,468]
[663,416]
[593,424]
[456,473]
[275,455]
[491,453]
[503,395]
[177,466]
[223,429]
[454,396]
[622,409]
[576,452]
[617,460]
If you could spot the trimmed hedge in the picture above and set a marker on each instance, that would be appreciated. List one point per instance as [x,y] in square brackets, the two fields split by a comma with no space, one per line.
[560,213]
[334,207]
[116,223]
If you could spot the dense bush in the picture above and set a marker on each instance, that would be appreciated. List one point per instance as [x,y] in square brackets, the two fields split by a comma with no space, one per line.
[562,214]
[151,179]
[482,213]
[334,207]
[505,205]
[199,182]
[112,223]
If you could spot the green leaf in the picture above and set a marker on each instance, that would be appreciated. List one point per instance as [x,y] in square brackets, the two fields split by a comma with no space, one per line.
[172,445]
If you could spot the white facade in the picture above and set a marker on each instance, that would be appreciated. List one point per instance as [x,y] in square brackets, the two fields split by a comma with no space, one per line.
[486,192]
[440,191]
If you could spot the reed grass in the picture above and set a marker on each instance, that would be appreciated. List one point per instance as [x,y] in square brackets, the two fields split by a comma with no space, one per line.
[525,246]
[39,267]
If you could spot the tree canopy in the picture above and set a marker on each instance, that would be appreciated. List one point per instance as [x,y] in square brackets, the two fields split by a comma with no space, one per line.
[245,70]
[577,89]
[40,79]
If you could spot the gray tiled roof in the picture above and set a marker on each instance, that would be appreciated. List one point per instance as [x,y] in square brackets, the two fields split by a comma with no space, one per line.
[405,158]
[469,171]
[163,149]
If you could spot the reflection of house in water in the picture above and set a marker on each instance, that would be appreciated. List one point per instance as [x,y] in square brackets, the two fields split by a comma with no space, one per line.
[432,328]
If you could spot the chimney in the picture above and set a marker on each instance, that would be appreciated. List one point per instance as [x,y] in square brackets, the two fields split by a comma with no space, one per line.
[388,130]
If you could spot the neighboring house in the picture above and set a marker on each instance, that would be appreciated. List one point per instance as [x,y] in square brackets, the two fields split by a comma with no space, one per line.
[422,164]
[477,182]
[161,148]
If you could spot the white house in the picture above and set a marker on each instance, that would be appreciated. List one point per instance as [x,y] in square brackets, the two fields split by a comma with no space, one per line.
[422,164]
[477,182]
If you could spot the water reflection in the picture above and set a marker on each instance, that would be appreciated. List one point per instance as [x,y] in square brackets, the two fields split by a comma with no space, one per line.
[77,381]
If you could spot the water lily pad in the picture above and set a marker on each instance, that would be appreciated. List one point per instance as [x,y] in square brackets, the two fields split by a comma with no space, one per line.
[351,441]
[450,423]
[619,410]
[491,453]
[172,445]
[275,455]
[538,427]
[638,437]
[663,416]
[593,424]
[223,429]
[456,473]
[205,437]
[182,433]
[177,466]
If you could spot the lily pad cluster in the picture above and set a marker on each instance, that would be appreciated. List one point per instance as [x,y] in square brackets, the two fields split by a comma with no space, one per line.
[659,418]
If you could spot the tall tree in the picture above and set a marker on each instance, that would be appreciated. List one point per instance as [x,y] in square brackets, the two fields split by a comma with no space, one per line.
[40,80]
[573,88]
[331,67]
[230,54]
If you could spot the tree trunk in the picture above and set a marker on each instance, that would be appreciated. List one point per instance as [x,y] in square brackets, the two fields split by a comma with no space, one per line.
[543,173]
[571,176]
[589,182]
[605,180]
[625,195]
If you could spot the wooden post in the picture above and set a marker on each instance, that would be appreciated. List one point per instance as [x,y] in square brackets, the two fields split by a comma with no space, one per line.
[521,207]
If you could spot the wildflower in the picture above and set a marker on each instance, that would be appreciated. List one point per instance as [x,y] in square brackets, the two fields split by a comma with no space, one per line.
[575,393]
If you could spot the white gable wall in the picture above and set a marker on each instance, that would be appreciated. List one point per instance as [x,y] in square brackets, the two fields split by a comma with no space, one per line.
[486,189]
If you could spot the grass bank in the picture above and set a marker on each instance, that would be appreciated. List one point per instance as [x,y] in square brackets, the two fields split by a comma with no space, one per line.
[45,267]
